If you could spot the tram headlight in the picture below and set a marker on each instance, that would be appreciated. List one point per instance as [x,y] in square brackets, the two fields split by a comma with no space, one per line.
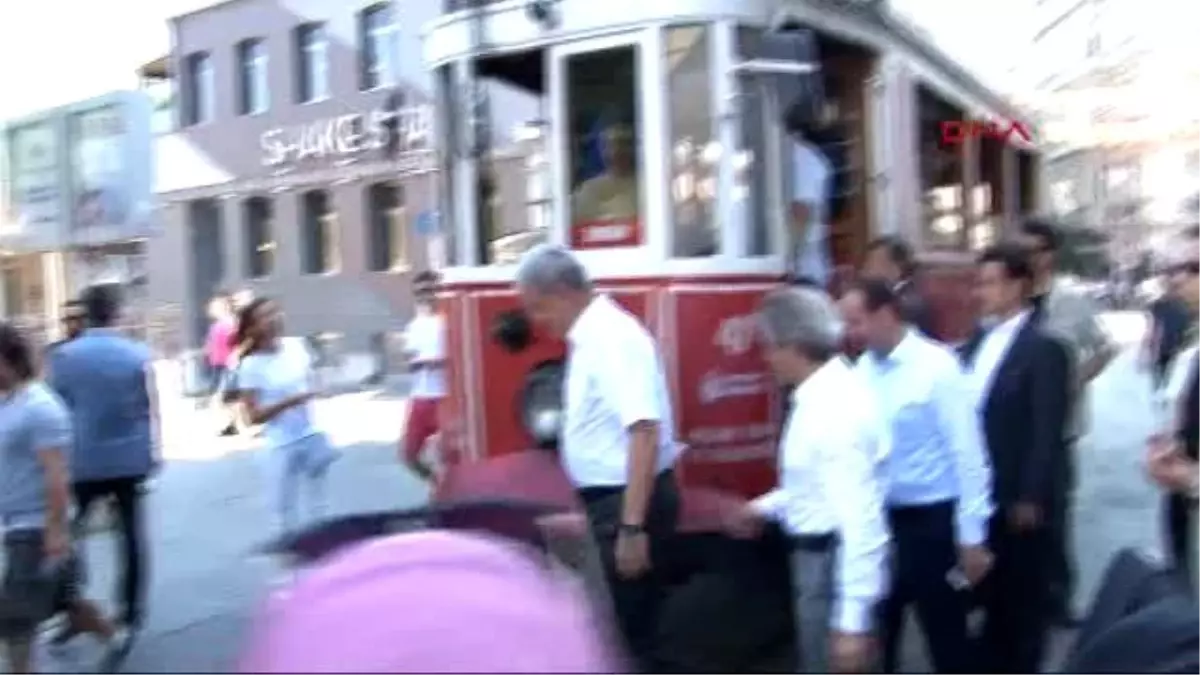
[512,331]
[541,403]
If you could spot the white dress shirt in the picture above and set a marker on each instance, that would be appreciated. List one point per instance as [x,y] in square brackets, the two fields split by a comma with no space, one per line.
[936,450]
[614,380]
[811,173]
[828,484]
[992,350]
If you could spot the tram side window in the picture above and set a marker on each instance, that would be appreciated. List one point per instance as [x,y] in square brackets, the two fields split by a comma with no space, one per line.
[516,106]
[603,146]
[695,153]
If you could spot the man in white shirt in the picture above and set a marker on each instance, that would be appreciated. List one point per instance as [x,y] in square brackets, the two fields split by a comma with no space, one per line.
[938,493]
[811,175]
[618,444]
[425,345]
[829,499]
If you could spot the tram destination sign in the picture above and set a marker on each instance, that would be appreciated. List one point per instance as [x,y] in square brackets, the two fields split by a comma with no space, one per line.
[344,136]
[957,132]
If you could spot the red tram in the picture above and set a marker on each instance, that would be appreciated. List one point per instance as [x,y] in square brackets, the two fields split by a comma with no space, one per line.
[653,147]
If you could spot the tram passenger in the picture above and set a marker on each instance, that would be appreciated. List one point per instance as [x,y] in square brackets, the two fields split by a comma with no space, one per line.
[891,258]
[938,492]
[1071,316]
[829,498]
[812,175]
[1019,376]
[617,445]
[613,194]
[425,344]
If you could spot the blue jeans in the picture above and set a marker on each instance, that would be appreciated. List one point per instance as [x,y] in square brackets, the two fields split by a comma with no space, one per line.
[295,476]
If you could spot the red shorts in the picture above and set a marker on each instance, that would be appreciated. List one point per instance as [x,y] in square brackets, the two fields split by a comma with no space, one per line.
[422,424]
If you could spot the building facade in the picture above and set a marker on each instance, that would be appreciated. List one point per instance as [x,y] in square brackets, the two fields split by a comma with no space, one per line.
[1117,84]
[77,206]
[301,164]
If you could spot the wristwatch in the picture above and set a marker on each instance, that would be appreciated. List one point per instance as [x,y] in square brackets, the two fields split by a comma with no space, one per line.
[629,528]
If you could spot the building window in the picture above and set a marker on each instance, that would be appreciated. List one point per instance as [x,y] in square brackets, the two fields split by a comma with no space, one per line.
[200,88]
[253,92]
[386,220]
[321,249]
[374,47]
[259,245]
[312,63]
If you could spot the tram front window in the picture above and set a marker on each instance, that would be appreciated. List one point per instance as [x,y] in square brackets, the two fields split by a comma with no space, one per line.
[507,172]
[603,146]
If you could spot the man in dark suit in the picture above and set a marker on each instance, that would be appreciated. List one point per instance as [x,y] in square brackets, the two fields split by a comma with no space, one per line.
[1020,377]
[891,258]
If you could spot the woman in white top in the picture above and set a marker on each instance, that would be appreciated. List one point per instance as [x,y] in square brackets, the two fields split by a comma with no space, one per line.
[275,385]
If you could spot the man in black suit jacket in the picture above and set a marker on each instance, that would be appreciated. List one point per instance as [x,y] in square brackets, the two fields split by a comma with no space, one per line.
[1021,377]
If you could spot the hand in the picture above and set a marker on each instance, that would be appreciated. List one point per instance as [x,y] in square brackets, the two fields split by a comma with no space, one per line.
[744,523]
[975,562]
[1025,516]
[632,554]
[850,652]
[56,543]
[1171,469]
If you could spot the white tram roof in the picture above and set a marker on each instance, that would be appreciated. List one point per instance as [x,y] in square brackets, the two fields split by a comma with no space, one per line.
[871,24]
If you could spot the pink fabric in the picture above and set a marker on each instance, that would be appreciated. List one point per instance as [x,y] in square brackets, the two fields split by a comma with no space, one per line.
[220,333]
[429,602]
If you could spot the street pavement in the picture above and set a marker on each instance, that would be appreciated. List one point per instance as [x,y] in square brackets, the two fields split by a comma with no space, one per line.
[207,515]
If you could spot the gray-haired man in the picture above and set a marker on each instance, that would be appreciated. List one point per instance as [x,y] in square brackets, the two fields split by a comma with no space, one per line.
[617,447]
[829,498]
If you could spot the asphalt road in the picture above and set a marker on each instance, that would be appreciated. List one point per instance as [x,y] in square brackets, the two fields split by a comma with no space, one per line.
[207,516]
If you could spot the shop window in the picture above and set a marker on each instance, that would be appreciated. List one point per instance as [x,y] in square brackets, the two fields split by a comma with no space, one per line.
[259,244]
[320,250]
[387,219]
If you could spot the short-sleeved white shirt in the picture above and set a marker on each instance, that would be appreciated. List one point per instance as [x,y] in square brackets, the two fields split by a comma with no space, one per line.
[274,376]
[811,173]
[425,340]
[614,379]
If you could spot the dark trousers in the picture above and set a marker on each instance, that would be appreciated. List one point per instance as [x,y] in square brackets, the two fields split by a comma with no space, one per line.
[636,602]
[1177,535]
[126,494]
[1015,598]
[924,551]
[1061,559]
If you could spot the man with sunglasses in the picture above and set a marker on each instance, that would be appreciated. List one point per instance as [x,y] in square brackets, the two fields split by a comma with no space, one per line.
[1172,457]
[73,323]
[1069,315]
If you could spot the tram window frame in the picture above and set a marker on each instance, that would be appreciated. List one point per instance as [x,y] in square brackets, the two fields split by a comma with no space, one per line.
[694,134]
[446,95]
[599,124]
[759,150]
